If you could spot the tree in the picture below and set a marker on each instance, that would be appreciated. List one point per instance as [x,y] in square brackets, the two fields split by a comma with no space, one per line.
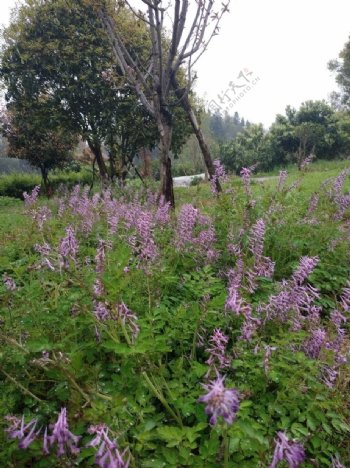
[36,133]
[159,77]
[58,49]
[248,148]
[341,67]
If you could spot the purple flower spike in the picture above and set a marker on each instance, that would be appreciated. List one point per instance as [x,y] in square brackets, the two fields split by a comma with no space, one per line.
[25,433]
[100,311]
[219,176]
[108,455]
[9,283]
[220,401]
[217,357]
[68,247]
[66,441]
[129,319]
[292,452]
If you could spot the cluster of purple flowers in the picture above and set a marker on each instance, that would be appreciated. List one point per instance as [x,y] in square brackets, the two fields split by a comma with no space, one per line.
[9,282]
[295,299]
[217,350]
[195,233]
[263,266]
[218,177]
[25,433]
[30,199]
[68,248]
[67,443]
[108,455]
[61,436]
[129,319]
[41,215]
[220,401]
[292,452]
[281,180]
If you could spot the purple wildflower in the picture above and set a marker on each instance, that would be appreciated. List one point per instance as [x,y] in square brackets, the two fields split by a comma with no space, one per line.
[305,268]
[41,215]
[30,199]
[45,251]
[219,176]
[145,227]
[249,327]
[129,319]
[108,455]
[68,247]
[66,441]
[246,174]
[306,162]
[220,401]
[337,318]
[185,225]
[25,433]
[98,288]
[329,376]
[100,311]
[195,232]
[162,216]
[234,301]
[282,178]
[339,183]
[218,342]
[263,266]
[292,452]
[313,203]
[314,344]
[101,255]
[345,298]
[9,283]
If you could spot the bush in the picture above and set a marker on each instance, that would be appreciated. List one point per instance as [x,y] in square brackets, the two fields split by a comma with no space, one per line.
[13,185]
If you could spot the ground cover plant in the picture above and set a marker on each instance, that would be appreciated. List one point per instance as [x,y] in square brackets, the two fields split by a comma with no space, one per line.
[214,336]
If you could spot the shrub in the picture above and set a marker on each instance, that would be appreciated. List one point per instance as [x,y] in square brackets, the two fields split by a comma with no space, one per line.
[13,185]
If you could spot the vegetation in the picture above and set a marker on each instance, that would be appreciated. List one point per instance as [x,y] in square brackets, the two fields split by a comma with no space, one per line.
[314,131]
[118,314]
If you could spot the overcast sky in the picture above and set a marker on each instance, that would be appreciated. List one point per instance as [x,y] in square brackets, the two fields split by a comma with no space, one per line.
[285,43]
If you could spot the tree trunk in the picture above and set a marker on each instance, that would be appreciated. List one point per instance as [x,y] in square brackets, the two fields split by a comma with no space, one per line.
[45,177]
[97,151]
[166,179]
[186,105]
[146,158]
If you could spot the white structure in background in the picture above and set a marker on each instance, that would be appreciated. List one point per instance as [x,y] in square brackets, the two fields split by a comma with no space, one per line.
[185,181]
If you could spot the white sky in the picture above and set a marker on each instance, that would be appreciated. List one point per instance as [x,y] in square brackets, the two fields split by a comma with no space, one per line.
[286,43]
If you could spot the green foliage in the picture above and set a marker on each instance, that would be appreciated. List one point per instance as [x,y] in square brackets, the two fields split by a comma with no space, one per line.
[76,74]
[315,129]
[14,185]
[341,67]
[147,391]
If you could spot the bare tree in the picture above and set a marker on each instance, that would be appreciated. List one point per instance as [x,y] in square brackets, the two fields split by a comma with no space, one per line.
[160,80]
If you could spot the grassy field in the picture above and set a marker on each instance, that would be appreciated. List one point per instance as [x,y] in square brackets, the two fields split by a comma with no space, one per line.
[119,321]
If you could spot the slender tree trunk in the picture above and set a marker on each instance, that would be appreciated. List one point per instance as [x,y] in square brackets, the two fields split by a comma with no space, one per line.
[112,164]
[97,151]
[166,179]
[45,177]
[146,158]
[186,105]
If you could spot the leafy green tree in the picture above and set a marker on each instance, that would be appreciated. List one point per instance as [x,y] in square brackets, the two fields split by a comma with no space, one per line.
[59,49]
[248,148]
[36,133]
[341,67]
